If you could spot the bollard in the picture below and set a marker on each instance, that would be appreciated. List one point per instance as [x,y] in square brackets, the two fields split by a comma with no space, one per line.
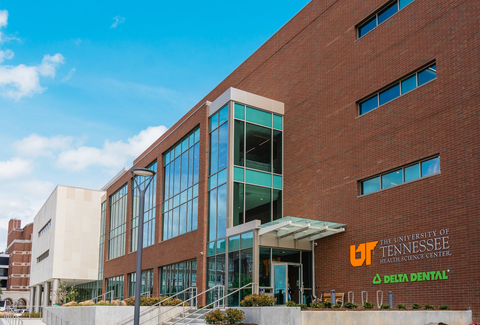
[332,296]
[390,299]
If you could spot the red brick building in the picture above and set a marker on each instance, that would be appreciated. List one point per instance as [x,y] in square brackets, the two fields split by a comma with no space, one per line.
[368,114]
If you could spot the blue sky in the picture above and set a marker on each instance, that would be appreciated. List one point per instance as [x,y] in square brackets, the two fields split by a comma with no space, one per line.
[86,86]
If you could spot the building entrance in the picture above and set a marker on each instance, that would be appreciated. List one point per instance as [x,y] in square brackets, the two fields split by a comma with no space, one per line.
[287,282]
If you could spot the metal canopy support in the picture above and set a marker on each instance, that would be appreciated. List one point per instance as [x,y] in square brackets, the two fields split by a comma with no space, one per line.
[268,229]
[316,232]
[329,233]
[293,231]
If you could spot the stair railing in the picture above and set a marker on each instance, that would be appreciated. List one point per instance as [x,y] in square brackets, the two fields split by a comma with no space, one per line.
[214,303]
[50,318]
[95,300]
[11,318]
[190,290]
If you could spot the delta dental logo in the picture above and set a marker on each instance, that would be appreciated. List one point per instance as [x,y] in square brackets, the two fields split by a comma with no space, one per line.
[365,251]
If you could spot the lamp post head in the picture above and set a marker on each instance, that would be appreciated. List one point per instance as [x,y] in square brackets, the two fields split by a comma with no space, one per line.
[142,172]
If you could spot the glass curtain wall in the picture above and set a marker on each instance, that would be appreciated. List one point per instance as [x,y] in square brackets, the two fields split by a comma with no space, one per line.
[258,152]
[88,291]
[101,248]
[181,171]
[240,266]
[116,284]
[149,215]
[147,283]
[177,277]
[118,223]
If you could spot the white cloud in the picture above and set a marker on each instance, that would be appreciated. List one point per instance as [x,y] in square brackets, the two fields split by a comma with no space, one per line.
[35,145]
[3,18]
[118,20]
[6,55]
[113,154]
[69,75]
[15,167]
[49,65]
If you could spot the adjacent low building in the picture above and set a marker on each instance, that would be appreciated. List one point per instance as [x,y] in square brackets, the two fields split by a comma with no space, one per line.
[65,242]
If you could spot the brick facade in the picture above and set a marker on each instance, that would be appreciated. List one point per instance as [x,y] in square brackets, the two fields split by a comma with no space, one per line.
[19,249]
[316,66]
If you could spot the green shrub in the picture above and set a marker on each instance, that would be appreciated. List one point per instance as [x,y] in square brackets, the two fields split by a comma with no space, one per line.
[32,315]
[444,307]
[416,306]
[337,306]
[234,316]
[350,305]
[209,307]
[368,305]
[302,306]
[401,306]
[429,307]
[387,306]
[103,303]
[327,304]
[315,305]
[256,300]
[200,306]
[291,304]
[215,317]
[145,301]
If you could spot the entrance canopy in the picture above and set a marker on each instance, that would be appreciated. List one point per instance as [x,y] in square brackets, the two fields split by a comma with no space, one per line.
[293,232]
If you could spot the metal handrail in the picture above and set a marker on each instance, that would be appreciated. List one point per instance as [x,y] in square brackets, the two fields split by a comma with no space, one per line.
[146,293]
[48,319]
[10,315]
[158,304]
[213,303]
[105,294]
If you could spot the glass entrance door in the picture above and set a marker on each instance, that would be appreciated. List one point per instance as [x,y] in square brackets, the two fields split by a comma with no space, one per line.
[280,275]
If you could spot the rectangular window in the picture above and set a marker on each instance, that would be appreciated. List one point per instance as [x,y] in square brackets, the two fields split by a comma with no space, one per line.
[180,201]
[116,284]
[43,256]
[398,88]
[149,208]
[380,16]
[101,248]
[118,223]
[405,174]
[177,277]
[45,228]
[147,283]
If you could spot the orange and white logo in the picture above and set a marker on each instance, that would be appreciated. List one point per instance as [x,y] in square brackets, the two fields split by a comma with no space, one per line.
[365,251]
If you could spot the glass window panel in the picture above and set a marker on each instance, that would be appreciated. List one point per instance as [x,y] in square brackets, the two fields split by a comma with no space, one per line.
[246,240]
[212,216]
[183,219]
[412,172]
[178,150]
[259,117]
[234,269]
[189,216]
[213,122]
[277,181]
[427,75]
[212,182]
[222,146]
[277,122]
[431,166]
[277,152]
[211,248]
[184,171]
[220,271]
[195,191]
[239,143]
[369,104]
[239,111]
[213,151]
[234,243]
[238,174]
[257,203]
[392,179]
[258,178]
[191,158]
[264,268]
[409,84]
[246,270]
[371,185]
[389,94]
[277,204]
[223,115]
[197,160]
[176,200]
[178,170]
[237,204]
[185,144]
[387,13]
[222,212]
[222,177]
[195,213]
[175,222]
[368,26]
[167,158]
[221,246]
[197,135]
[283,255]
[258,147]
[404,3]
[191,139]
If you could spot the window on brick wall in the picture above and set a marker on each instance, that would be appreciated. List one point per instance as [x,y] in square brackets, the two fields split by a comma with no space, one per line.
[401,175]
[398,88]
[381,15]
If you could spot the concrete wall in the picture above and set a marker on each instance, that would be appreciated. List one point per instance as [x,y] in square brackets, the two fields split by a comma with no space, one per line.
[109,315]
[273,315]
[421,317]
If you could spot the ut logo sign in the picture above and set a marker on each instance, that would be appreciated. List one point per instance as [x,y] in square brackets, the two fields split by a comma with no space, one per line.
[365,251]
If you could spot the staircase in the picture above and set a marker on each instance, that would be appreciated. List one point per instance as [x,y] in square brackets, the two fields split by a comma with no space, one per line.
[190,317]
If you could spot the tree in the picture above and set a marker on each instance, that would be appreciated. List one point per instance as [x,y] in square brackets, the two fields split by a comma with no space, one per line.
[72,294]
[1,292]
[61,293]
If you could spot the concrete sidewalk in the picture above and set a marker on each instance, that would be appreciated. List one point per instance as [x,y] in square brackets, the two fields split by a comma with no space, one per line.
[26,321]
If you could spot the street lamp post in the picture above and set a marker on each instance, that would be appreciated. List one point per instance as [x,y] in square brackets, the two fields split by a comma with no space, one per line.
[141,210]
